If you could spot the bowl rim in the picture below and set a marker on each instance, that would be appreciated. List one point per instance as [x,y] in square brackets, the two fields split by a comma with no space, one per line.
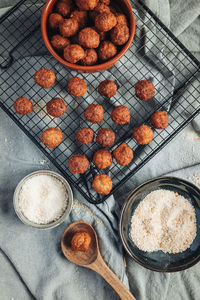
[53,223]
[176,269]
[94,68]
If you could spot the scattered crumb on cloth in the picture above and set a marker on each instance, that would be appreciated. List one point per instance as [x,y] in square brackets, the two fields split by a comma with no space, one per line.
[164,221]
[79,207]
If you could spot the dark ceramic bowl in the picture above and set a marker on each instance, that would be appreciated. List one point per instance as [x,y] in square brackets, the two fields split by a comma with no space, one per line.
[125,8]
[157,260]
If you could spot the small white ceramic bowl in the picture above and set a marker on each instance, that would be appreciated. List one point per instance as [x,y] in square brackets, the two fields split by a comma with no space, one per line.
[53,223]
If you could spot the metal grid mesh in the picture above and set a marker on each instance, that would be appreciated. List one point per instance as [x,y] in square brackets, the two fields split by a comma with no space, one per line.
[22,52]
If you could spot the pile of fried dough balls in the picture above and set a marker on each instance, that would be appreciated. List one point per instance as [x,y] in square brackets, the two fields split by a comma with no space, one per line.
[87,32]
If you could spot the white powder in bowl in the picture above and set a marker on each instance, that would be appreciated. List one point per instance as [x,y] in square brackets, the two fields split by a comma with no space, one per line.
[164,221]
[43,199]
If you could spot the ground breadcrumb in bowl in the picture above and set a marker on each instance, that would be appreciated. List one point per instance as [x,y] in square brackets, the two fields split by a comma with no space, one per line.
[160,224]
[43,199]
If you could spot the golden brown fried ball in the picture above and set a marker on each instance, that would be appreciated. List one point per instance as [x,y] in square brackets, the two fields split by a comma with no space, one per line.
[106,2]
[102,184]
[107,50]
[56,107]
[102,159]
[105,21]
[144,90]
[77,87]
[121,19]
[123,155]
[119,34]
[89,38]
[45,78]
[99,9]
[52,137]
[94,113]
[159,119]
[54,21]
[23,106]
[107,88]
[90,58]
[121,115]
[86,4]
[78,164]
[68,27]
[81,241]
[85,135]
[59,42]
[80,16]
[105,137]
[73,53]
[64,7]
[143,134]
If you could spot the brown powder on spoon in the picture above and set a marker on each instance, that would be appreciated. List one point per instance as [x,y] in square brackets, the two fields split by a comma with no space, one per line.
[164,221]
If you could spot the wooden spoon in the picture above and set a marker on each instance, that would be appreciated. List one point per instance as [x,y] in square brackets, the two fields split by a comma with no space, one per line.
[92,258]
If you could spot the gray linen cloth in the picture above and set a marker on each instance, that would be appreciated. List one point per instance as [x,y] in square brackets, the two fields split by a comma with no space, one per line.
[32,265]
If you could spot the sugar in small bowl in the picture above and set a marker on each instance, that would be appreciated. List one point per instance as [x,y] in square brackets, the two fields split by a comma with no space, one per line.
[43,199]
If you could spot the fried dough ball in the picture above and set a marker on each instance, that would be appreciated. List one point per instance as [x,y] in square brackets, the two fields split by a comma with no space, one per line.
[85,135]
[73,53]
[144,90]
[94,113]
[59,42]
[99,9]
[52,137]
[68,27]
[86,4]
[106,2]
[102,159]
[105,137]
[78,164]
[123,155]
[159,120]
[23,106]
[121,115]
[143,134]
[80,16]
[89,38]
[105,21]
[81,241]
[77,87]
[45,78]
[102,184]
[119,34]
[90,58]
[56,107]
[54,21]
[64,7]
[107,50]
[121,19]
[107,88]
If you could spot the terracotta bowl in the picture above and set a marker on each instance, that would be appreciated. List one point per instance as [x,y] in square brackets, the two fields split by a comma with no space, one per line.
[125,8]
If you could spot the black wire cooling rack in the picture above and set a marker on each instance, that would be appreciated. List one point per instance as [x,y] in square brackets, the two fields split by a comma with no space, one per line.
[155,55]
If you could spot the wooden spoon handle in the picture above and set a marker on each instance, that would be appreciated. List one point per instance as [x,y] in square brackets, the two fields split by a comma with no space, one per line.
[100,267]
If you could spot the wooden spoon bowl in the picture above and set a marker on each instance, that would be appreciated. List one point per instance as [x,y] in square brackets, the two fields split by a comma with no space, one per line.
[92,258]
[79,257]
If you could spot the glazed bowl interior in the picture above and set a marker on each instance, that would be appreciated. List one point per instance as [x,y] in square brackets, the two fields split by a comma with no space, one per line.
[124,6]
[52,224]
[158,260]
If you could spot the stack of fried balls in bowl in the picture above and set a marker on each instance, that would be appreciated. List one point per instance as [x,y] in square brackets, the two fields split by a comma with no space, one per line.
[88,35]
